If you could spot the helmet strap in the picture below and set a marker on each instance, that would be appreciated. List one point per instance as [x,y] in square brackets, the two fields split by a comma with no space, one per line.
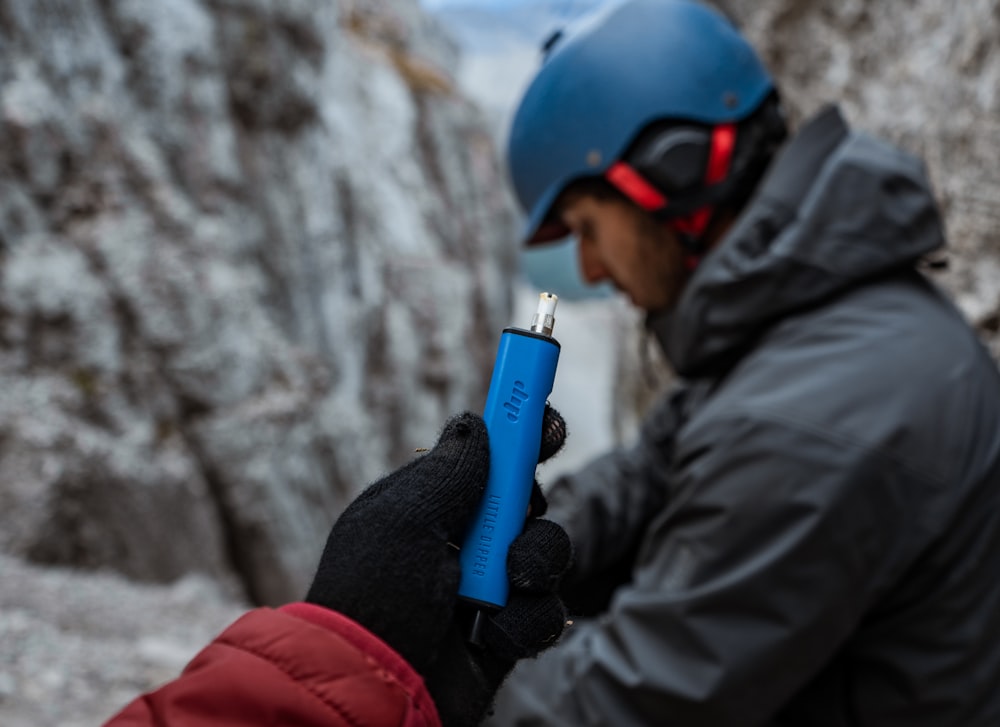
[689,226]
[627,180]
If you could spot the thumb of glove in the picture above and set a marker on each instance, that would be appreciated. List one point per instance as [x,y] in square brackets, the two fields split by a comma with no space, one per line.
[441,489]
[387,563]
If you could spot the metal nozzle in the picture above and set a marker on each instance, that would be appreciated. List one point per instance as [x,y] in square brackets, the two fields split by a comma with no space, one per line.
[544,319]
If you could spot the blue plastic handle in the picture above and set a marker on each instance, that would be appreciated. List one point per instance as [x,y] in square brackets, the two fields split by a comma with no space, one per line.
[523,375]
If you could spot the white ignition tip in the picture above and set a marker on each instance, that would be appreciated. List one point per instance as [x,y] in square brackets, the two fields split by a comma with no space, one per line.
[544,318]
[547,304]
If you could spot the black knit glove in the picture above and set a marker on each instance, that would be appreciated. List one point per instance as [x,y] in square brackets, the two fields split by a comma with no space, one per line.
[392,565]
[464,679]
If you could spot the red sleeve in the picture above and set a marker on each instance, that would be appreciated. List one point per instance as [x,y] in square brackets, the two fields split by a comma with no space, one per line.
[302,665]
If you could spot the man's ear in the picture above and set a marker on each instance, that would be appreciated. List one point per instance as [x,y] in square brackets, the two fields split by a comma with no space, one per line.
[672,156]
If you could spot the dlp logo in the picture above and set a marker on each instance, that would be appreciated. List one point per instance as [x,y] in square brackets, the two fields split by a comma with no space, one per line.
[517,397]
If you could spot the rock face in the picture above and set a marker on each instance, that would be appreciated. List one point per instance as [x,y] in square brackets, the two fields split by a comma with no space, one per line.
[253,253]
[75,646]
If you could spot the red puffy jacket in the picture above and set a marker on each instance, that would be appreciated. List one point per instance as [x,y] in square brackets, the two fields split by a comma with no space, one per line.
[299,665]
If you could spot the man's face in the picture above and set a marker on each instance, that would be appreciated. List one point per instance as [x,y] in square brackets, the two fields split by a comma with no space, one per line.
[620,243]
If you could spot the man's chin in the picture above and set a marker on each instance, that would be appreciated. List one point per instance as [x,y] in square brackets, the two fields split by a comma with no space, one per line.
[629,296]
[633,301]
[651,307]
[666,302]
[659,308]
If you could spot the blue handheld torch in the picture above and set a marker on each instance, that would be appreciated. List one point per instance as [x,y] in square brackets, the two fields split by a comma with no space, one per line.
[523,375]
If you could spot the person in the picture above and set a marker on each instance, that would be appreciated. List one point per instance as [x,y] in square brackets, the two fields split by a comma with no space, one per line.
[381,639]
[807,529]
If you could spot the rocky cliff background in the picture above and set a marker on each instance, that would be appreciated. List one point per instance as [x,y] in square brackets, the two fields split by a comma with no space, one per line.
[254,252]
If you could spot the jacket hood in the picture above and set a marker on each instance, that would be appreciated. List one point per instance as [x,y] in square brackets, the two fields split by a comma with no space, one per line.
[836,208]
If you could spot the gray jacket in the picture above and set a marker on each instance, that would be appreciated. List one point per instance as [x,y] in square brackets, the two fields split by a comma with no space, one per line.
[809,528]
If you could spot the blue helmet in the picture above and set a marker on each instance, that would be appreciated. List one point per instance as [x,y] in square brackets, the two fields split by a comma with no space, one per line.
[609,77]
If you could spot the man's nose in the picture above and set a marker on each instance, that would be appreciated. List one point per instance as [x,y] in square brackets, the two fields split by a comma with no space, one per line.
[592,270]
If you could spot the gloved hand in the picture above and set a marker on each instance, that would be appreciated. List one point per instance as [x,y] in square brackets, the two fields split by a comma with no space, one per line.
[391,563]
